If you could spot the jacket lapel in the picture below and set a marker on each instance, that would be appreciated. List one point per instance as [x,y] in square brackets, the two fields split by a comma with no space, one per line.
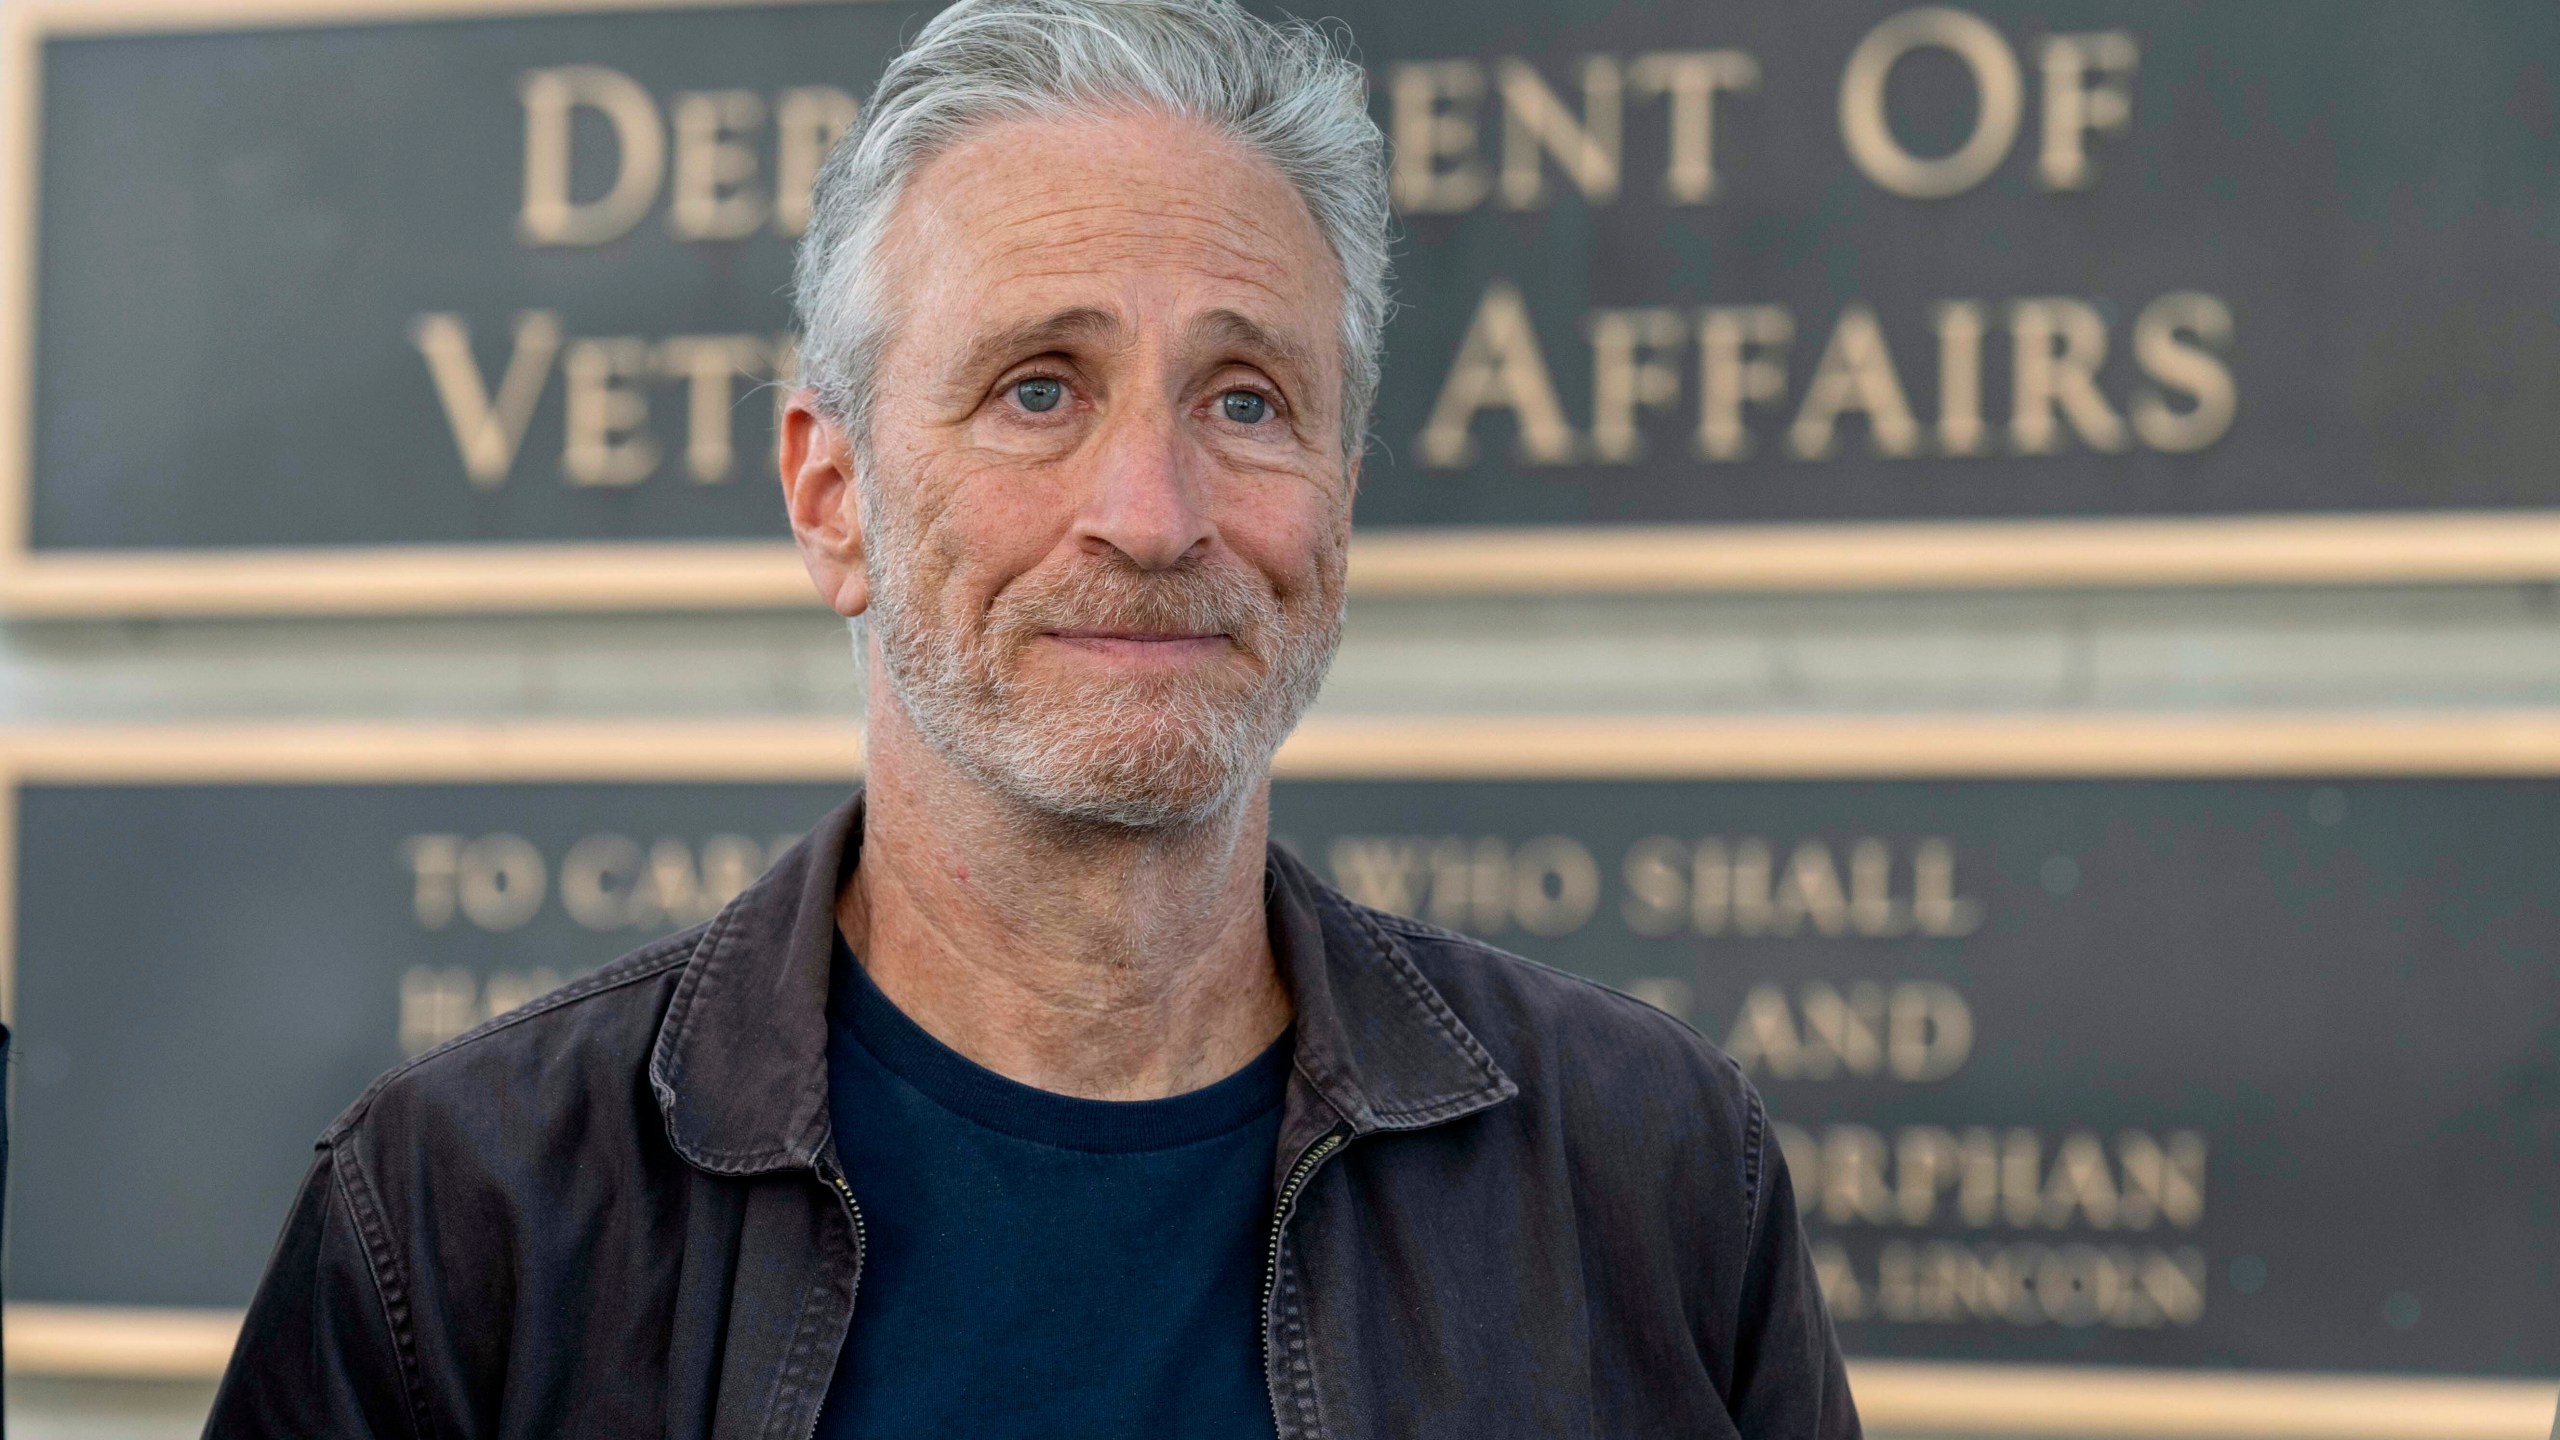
[740,1067]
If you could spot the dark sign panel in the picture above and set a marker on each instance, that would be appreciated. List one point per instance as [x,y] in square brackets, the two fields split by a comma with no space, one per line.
[2234,1073]
[2226,1073]
[482,310]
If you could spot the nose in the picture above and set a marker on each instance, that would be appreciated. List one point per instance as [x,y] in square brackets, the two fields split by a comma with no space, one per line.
[1143,498]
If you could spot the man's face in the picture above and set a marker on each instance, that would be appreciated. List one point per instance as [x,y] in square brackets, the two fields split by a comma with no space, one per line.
[1105,504]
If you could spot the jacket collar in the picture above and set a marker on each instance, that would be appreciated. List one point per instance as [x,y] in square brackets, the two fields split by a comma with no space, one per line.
[740,1066]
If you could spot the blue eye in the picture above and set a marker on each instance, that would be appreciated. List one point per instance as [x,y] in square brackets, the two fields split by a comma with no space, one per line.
[1245,407]
[1039,394]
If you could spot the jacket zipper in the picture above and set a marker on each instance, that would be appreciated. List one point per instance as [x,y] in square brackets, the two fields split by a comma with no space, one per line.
[853,1212]
[1308,1160]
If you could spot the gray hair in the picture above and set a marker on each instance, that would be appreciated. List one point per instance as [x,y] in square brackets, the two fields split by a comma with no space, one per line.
[1282,91]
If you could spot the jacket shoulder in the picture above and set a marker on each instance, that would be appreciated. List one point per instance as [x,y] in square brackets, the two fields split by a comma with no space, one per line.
[599,1028]
[1606,1063]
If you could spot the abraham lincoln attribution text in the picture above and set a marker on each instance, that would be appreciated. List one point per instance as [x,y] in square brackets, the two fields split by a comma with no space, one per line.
[1035,1093]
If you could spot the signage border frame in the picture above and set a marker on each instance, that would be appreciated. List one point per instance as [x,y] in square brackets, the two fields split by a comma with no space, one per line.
[2305,548]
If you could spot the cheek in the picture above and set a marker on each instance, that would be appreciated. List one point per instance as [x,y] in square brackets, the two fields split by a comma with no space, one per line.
[1294,531]
[979,529]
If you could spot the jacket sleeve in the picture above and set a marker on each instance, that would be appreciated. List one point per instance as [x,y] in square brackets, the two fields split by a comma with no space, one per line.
[1788,1382]
[318,1353]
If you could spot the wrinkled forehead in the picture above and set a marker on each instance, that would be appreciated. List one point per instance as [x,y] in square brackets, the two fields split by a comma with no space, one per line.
[1139,220]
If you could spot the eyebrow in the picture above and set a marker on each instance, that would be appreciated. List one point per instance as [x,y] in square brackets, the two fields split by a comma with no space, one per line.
[1051,332]
[1244,333]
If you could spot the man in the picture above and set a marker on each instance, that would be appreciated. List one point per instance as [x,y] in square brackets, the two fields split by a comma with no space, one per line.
[1034,1093]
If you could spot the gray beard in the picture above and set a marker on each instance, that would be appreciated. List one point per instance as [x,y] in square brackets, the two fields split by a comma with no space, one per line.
[1151,755]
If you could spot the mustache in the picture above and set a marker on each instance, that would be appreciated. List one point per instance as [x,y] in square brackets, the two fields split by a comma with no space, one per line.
[1193,597]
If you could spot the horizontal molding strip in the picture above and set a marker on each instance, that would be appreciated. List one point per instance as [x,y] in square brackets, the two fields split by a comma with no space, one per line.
[143,1343]
[2152,1404]
[2096,746]
[112,17]
[2469,547]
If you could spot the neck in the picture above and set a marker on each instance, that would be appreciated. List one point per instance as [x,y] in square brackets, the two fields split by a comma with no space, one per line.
[1105,963]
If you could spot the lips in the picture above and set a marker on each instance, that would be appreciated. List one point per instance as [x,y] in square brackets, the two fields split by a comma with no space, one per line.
[1143,649]
[1139,637]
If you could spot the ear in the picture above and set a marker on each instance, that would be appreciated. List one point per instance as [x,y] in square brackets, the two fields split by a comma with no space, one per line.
[819,493]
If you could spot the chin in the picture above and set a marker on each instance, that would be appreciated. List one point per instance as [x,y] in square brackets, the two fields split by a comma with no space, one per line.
[1128,767]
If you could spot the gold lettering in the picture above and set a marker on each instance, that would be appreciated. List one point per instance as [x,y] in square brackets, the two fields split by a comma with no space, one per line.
[551,99]
[1960,329]
[596,878]
[1764,1033]
[2074,108]
[1997,85]
[1873,910]
[2021,1159]
[2078,1285]
[1978,1195]
[1471,884]
[1555,885]
[1438,164]
[730,863]
[435,1006]
[2174,1284]
[2081,1182]
[2178,367]
[1842,1034]
[1934,902]
[1929,1033]
[609,440]
[2162,1182]
[1657,899]
[1917,1284]
[1731,375]
[1691,79]
[1838,1281]
[2060,342]
[1498,366]
[1454,888]
[1752,912]
[1381,873]
[807,123]
[1810,889]
[1924,1166]
[670,887]
[1942,1282]
[710,366]
[714,191]
[435,863]
[1488,886]
[1633,368]
[1711,888]
[1853,1183]
[1856,372]
[487,431]
[1802,1156]
[1535,121]
[499,881]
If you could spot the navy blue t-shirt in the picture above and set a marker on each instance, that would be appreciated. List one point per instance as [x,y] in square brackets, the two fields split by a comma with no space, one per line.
[1038,1265]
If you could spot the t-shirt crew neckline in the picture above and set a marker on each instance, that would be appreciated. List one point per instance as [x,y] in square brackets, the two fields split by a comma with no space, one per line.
[982,1097]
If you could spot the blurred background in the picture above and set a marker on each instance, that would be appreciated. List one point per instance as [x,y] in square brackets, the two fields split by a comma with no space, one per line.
[1999,560]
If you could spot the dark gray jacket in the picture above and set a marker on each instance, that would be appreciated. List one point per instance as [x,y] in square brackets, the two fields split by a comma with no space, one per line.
[1507,1203]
